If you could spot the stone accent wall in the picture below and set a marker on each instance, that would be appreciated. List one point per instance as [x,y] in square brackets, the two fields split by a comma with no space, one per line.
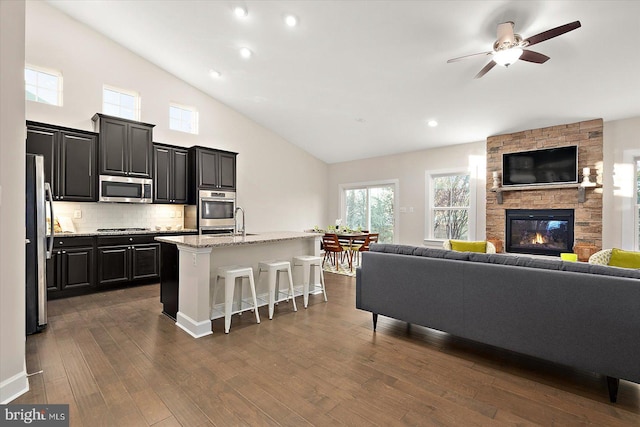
[588,215]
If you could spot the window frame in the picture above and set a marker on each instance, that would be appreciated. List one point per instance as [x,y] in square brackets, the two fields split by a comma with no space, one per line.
[195,116]
[52,72]
[630,217]
[395,183]
[429,203]
[137,104]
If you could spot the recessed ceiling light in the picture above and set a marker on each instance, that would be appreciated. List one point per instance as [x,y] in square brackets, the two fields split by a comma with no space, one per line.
[240,11]
[291,20]
[215,74]
[245,52]
[432,123]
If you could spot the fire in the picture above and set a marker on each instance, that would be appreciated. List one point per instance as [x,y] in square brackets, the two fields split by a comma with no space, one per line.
[538,240]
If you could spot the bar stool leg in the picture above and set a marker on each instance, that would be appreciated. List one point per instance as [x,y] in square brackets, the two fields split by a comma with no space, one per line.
[253,294]
[324,292]
[306,268]
[291,288]
[229,287]
[273,274]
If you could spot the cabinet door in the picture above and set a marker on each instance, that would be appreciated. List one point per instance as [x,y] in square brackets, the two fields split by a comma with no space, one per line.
[207,169]
[145,263]
[113,146]
[180,176]
[161,175]
[77,268]
[77,166]
[113,265]
[139,150]
[53,272]
[42,141]
[227,171]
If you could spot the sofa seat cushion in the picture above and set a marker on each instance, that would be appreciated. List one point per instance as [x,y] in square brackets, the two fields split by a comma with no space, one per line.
[624,259]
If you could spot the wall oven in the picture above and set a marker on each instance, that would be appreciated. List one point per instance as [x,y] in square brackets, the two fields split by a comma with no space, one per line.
[125,189]
[216,211]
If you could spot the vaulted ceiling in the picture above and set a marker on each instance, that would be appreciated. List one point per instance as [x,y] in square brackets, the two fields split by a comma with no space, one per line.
[358,79]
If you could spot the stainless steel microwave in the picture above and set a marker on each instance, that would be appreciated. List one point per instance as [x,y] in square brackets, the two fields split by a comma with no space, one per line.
[124,189]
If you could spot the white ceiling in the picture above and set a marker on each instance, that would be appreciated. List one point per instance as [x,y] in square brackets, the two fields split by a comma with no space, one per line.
[358,79]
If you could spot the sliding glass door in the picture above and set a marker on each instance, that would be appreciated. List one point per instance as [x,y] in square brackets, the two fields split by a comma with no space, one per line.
[370,207]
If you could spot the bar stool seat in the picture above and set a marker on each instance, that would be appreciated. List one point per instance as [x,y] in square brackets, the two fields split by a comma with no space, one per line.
[230,273]
[308,263]
[273,269]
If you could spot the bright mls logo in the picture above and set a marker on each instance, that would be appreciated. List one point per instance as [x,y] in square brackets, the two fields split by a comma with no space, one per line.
[39,415]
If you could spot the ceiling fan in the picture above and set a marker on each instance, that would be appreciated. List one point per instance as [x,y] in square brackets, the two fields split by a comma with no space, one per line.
[509,47]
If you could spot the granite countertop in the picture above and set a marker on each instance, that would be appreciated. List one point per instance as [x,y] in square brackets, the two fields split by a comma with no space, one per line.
[125,233]
[213,240]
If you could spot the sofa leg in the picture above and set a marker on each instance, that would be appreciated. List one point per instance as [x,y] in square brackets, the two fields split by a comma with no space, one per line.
[612,384]
[375,320]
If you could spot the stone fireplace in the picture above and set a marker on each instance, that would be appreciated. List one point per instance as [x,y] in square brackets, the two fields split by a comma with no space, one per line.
[539,231]
[587,212]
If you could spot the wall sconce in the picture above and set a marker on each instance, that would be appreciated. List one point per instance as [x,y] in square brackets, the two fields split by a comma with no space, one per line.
[496,180]
[586,182]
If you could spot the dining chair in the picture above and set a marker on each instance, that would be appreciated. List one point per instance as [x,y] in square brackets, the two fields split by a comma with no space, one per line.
[371,238]
[332,248]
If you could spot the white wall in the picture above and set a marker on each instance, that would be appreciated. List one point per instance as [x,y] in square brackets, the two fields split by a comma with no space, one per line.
[621,144]
[13,379]
[280,186]
[410,169]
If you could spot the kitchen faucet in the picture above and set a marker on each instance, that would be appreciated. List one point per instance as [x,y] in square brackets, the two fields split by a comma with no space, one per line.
[235,221]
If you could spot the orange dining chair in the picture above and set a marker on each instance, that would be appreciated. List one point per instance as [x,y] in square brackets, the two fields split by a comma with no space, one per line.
[371,238]
[332,248]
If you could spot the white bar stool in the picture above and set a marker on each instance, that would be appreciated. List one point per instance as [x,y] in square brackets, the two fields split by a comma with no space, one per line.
[230,273]
[307,262]
[274,268]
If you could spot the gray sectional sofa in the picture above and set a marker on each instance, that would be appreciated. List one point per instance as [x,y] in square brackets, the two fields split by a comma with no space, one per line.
[580,315]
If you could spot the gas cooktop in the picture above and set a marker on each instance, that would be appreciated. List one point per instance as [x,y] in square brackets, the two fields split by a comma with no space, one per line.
[122,229]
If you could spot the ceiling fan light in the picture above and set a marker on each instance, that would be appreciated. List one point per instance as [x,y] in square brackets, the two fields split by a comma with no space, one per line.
[507,57]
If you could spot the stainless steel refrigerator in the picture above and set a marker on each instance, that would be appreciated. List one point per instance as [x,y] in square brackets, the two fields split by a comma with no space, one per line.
[38,244]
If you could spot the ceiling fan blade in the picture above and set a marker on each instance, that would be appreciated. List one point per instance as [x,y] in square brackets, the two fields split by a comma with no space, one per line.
[531,56]
[469,56]
[485,70]
[554,32]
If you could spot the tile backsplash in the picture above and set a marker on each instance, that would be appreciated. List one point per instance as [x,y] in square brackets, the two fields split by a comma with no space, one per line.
[119,215]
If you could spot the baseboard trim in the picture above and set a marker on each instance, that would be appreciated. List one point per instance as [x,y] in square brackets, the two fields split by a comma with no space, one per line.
[14,387]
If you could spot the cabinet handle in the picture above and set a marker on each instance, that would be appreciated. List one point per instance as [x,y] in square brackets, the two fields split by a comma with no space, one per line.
[64,252]
[131,239]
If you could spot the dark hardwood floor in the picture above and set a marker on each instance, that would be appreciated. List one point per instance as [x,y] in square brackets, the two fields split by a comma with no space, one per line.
[117,361]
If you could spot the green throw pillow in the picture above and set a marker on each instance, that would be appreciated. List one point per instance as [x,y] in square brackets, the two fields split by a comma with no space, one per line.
[625,259]
[465,246]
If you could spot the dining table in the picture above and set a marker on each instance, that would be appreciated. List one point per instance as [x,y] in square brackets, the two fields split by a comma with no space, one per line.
[350,237]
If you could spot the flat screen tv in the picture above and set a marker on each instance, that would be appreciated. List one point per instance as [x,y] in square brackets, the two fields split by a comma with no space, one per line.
[541,167]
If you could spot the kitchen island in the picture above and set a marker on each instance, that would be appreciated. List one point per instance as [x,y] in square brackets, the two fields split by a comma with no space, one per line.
[199,257]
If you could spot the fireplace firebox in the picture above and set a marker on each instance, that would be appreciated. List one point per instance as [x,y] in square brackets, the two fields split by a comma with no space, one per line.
[539,231]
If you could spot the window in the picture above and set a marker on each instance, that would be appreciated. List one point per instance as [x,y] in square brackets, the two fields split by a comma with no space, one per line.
[120,103]
[43,86]
[637,209]
[450,204]
[183,119]
[371,207]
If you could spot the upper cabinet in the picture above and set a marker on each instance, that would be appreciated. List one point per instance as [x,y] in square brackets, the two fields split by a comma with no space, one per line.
[125,146]
[211,169]
[70,160]
[169,174]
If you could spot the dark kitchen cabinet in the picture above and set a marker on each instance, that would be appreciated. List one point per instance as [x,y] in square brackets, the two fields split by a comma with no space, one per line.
[122,259]
[125,146]
[211,169]
[70,271]
[70,160]
[170,176]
